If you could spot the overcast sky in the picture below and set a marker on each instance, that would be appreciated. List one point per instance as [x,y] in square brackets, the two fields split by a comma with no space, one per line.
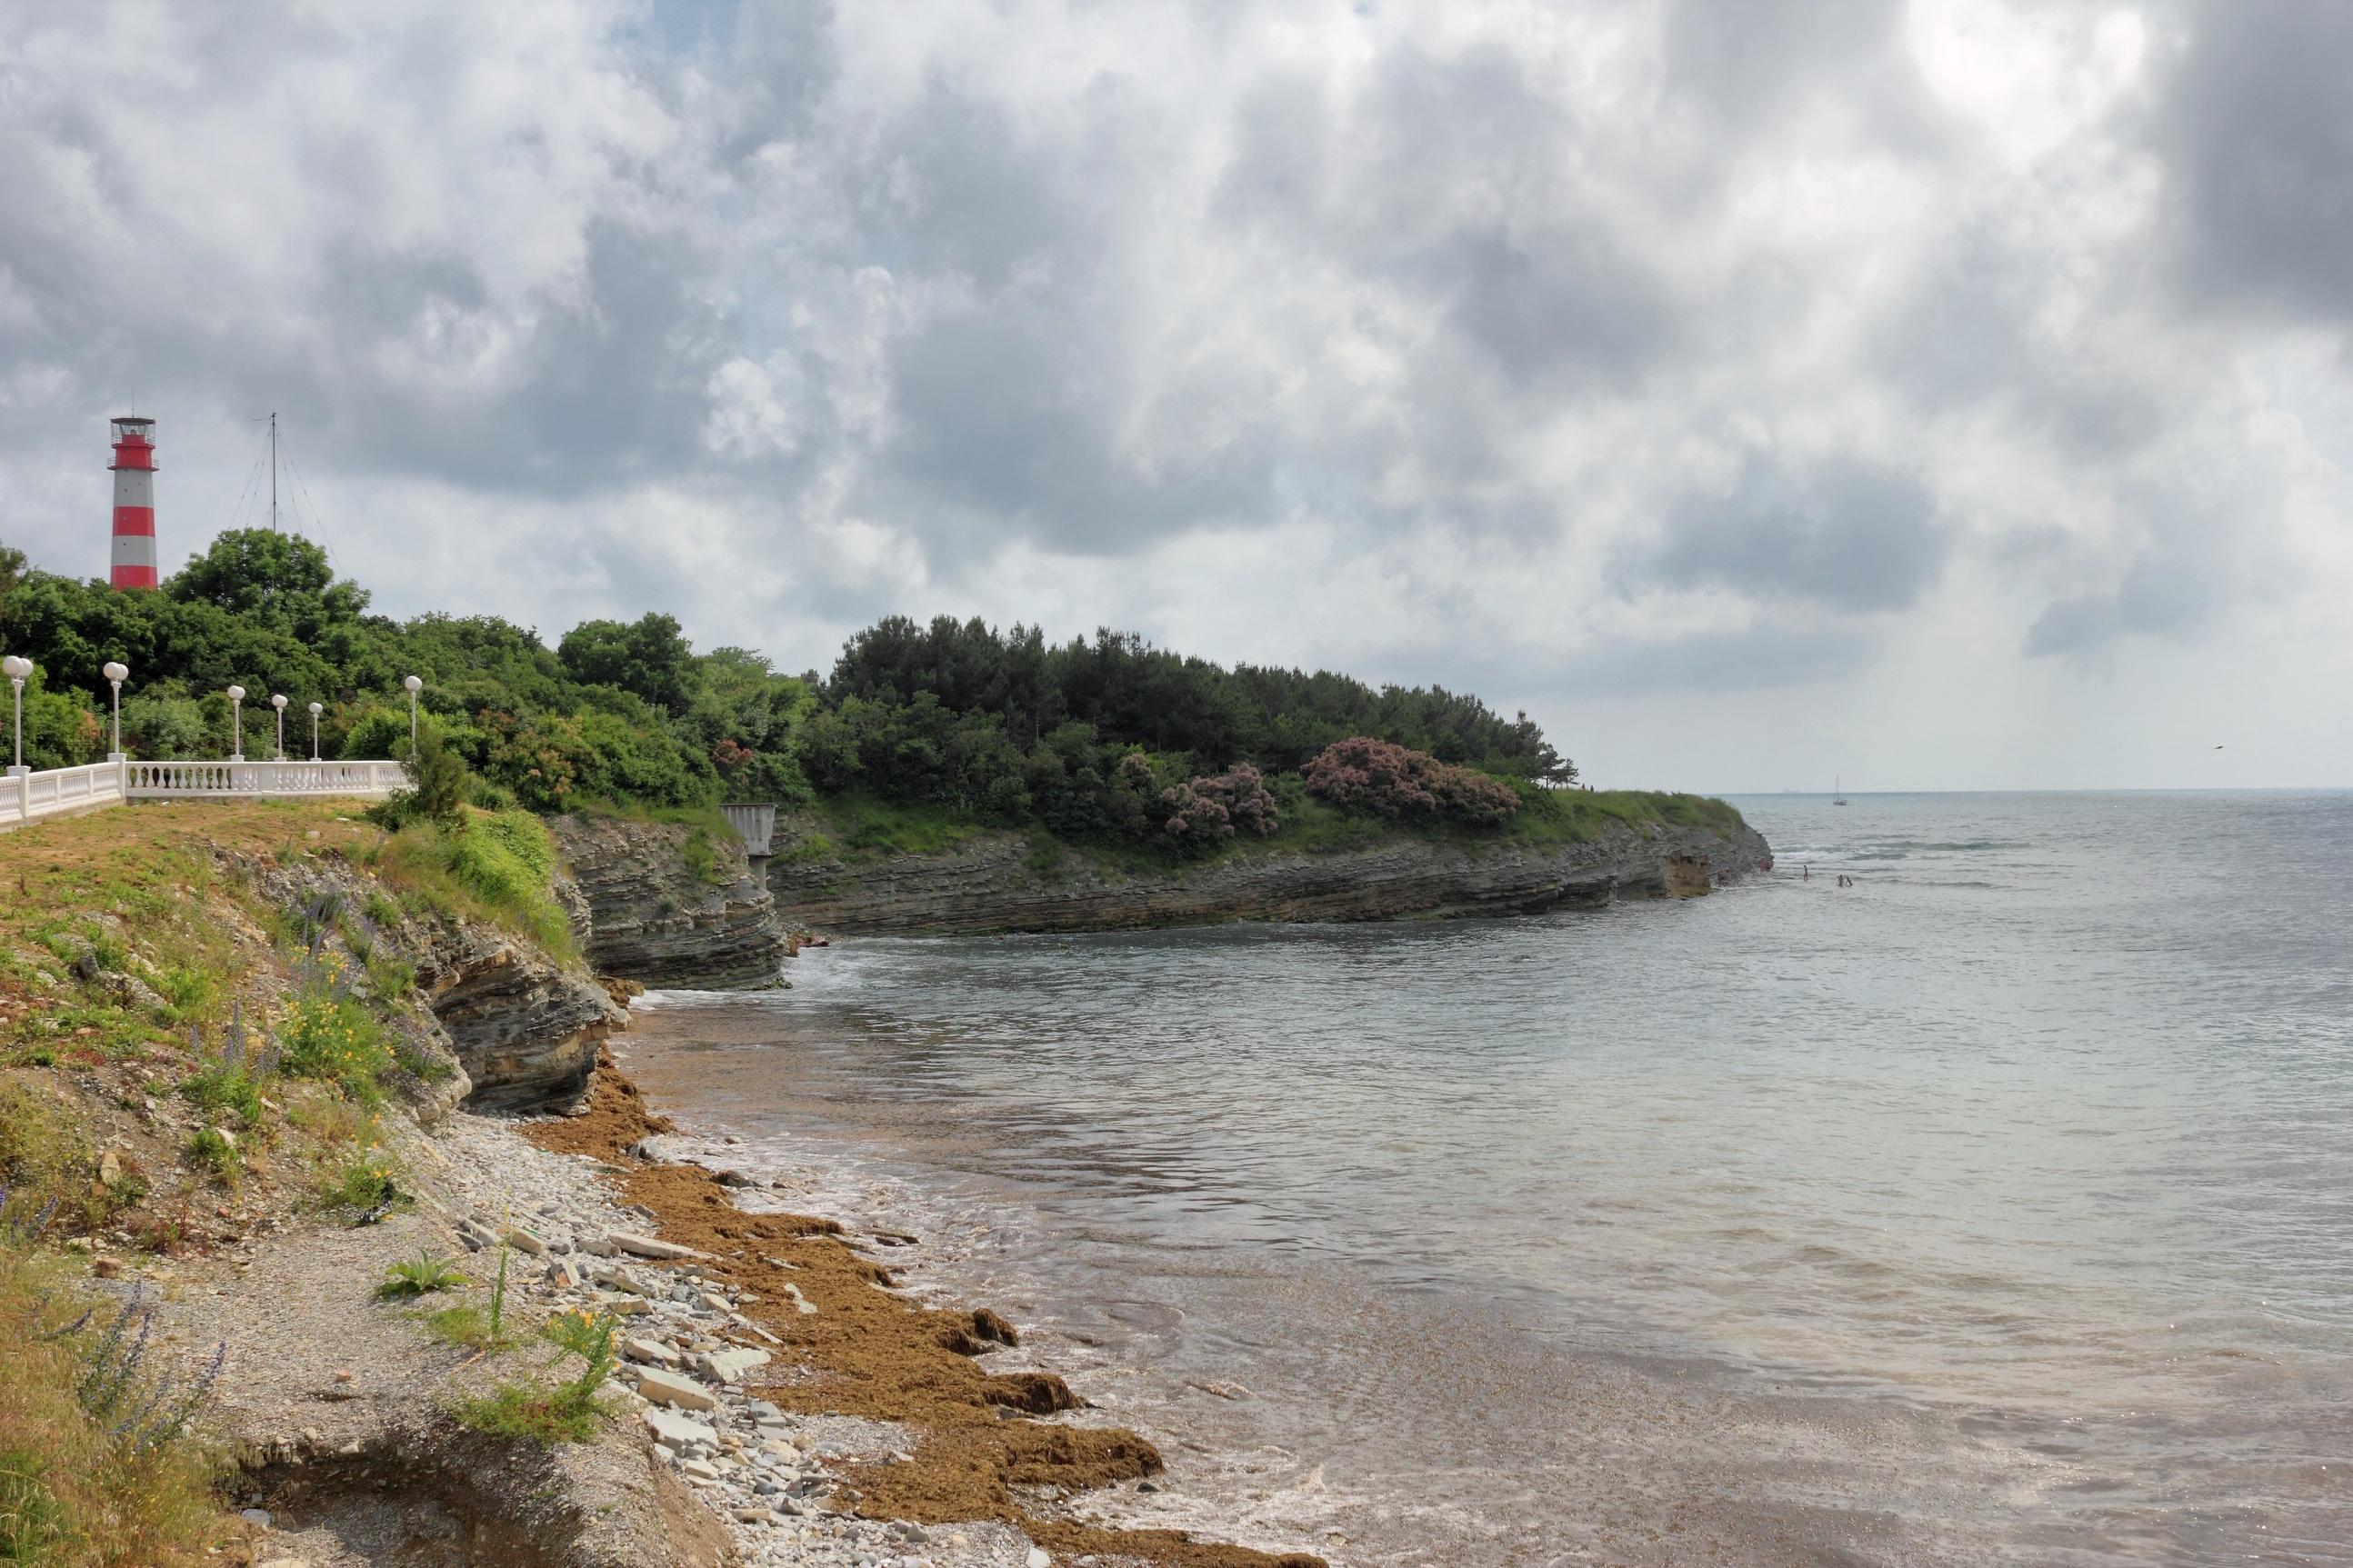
[1944,395]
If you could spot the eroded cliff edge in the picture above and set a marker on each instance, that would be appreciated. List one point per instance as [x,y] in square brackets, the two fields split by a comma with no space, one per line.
[999,882]
[670,905]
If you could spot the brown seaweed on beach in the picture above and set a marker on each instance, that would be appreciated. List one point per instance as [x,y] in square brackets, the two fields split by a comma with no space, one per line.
[880,1356]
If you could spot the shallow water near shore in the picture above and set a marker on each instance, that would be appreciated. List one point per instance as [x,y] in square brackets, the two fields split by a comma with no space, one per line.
[1993,1209]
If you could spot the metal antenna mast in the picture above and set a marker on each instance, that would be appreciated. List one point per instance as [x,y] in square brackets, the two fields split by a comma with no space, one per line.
[273,473]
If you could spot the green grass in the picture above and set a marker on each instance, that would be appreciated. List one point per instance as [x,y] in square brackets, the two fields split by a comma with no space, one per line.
[870,828]
[43,1154]
[467,1328]
[78,1484]
[497,867]
[702,862]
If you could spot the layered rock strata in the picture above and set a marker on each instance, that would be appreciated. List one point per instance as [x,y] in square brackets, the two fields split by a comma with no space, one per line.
[653,918]
[495,1022]
[527,1030]
[997,882]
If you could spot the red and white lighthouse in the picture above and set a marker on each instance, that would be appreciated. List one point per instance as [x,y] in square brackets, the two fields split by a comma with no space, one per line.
[134,502]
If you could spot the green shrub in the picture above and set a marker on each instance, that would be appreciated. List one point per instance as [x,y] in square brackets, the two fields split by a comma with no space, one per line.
[189,990]
[213,1150]
[568,1412]
[365,1181]
[420,1275]
[438,785]
[222,1088]
[336,1040]
[530,1412]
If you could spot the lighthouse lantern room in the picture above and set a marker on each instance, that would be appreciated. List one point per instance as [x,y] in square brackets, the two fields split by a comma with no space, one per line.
[134,502]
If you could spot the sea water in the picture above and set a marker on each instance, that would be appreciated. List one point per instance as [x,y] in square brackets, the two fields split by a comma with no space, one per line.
[1996,1208]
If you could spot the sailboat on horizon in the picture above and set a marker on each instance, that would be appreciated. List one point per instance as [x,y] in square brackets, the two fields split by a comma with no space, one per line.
[1838,794]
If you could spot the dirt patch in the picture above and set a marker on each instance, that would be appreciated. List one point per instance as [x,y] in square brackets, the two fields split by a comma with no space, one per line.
[875,1354]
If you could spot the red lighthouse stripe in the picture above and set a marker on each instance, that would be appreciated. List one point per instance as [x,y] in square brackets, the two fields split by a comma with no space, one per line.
[134,577]
[138,520]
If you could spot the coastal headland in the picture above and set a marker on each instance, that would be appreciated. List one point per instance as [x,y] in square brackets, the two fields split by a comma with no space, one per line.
[984,882]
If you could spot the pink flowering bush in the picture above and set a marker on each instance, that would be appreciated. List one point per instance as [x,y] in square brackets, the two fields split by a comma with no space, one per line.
[1208,810]
[1195,820]
[1383,780]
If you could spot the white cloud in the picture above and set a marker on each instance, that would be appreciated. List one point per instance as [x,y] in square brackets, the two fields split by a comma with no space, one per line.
[1681,372]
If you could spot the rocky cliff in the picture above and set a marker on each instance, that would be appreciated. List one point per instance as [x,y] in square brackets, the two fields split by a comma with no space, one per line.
[653,916]
[994,883]
[527,1030]
[493,1020]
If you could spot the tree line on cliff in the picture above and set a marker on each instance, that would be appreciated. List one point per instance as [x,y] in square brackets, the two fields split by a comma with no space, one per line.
[1102,738]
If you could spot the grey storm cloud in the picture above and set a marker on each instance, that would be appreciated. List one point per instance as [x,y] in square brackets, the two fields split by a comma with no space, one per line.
[1426,315]
[1847,535]
[2256,129]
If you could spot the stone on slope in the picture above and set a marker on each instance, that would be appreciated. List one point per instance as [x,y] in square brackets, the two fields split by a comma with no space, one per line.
[659,1387]
[646,1246]
[726,1366]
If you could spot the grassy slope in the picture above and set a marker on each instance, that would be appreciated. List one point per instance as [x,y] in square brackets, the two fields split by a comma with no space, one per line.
[865,829]
[85,1068]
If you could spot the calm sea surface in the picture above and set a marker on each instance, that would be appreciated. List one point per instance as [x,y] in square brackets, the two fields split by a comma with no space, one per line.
[1993,1209]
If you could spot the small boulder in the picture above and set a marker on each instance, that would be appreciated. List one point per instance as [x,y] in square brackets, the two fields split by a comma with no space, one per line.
[660,1388]
[726,1366]
[674,1430]
[646,1246]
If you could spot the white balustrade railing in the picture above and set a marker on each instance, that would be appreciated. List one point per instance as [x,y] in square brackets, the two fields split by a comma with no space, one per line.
[28,797]
[191,781]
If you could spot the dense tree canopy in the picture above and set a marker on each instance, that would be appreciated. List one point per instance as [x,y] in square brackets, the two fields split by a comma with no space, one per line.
[1103,738]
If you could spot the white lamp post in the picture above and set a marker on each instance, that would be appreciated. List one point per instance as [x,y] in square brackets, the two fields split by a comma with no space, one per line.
[278,702]
[414,686]
[116,674]
[316,711]
[237,723]
[18,669]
